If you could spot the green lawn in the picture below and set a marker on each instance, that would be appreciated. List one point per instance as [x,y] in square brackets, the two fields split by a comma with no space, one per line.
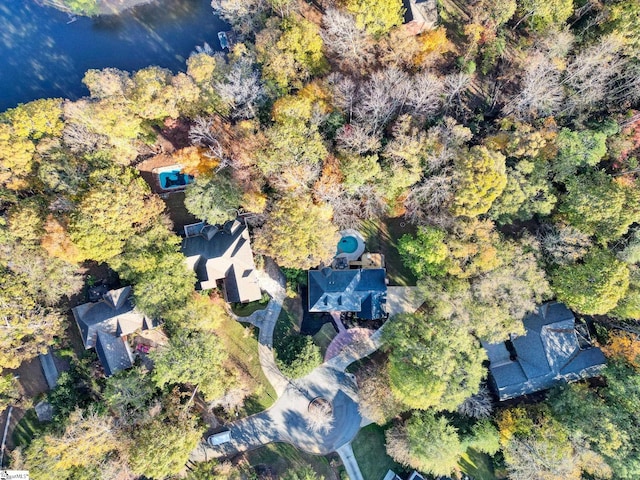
[477,465]
[246,309]
[282,457]
[382,236]
[26,429]
[369,450]
[287,322]
[242,346]
[324,336]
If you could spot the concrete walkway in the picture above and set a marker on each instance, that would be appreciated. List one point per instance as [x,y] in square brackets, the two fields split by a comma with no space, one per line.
[349,461]
[273,282]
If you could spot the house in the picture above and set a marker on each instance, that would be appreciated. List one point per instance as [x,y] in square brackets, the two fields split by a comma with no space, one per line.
[222,254]
[421,15]
[363,291]
[105,324]
[553,350]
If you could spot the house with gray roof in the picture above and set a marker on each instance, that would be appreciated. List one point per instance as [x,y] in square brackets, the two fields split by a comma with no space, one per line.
[363,291]
[552,351]
[105,324]
[421,15]
[222,255]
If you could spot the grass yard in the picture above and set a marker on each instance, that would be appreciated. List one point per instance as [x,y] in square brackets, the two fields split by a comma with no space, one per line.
[371,454]
[324,336]
[246,309]
[288,321]
[282,457]
[382,236]
[26,429]
[477,465]
[242,346]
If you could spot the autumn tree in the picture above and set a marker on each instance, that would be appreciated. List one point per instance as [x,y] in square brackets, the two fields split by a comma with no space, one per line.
[29,326]
[594,286]
[599,205]
[290,52]
[9,390]
[508,293]
[291,158]
[543,14]
[536,445]
[116,206]
[297,233]
[374,386]
[426,442]
[377,18]
[481,179]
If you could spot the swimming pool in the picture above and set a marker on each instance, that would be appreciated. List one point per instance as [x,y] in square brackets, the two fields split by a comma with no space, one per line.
[173,179]
[347,244]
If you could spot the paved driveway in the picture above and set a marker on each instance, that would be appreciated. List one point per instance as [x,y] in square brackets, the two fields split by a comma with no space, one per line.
[287,420]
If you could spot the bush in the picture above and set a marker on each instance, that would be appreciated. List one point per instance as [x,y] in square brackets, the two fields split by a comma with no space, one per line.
[297,355]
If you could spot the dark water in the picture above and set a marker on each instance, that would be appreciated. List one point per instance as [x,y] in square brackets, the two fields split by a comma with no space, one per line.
[41,55]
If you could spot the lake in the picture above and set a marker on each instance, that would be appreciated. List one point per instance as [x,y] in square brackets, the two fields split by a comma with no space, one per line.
[42,55]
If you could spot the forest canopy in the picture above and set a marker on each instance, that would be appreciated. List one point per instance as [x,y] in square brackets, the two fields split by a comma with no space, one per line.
[505,139]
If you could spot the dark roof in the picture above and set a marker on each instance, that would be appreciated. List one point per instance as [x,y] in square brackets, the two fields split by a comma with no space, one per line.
[113,353]
[102,323]
[224,253]
[423,12]
[361,291]
[547,354]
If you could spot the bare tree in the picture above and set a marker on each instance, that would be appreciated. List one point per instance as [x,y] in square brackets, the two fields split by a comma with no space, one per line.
[541,93]
[320,416]
[383,97]
[428,201]
[357,138]
[563,245]
[342,36]
[242,90]
[245,15]
[80,139]
[426,95]
[455,85]
[203,133]
[345,93]
[591,73]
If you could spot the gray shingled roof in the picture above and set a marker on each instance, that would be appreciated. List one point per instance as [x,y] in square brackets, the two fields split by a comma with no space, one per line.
[361,291]
[224,254]
[102,323]
[547,354]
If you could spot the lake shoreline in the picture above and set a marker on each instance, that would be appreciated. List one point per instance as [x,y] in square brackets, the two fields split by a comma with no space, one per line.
[105,7]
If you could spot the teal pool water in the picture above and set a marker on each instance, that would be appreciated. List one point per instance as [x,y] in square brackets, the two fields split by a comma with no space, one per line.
[347,244]
[174,179]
